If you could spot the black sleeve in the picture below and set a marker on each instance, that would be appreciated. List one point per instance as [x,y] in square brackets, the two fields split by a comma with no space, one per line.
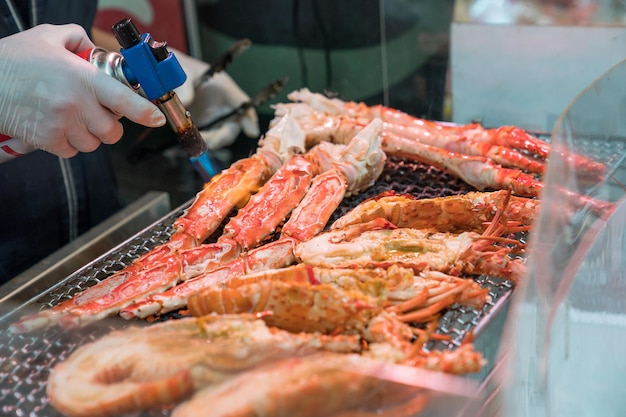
[27,13]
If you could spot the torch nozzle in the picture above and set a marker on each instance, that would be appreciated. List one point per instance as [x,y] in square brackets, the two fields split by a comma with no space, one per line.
[179,119]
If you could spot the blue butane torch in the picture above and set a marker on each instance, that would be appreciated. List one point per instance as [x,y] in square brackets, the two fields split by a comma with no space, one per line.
[150,67]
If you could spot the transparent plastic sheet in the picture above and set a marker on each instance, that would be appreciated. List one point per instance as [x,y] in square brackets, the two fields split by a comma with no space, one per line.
[317,385]
[566,331]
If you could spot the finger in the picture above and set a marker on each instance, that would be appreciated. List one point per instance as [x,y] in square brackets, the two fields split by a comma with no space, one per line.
[221,136]
[74,37]
[66,153]
[60,147]
[82,140]
[186,93]
[105,126]
[120,99]
[232,93]
[250,123]
[192,67]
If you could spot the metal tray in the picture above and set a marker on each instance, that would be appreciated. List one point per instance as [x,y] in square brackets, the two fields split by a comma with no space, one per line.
[26,359]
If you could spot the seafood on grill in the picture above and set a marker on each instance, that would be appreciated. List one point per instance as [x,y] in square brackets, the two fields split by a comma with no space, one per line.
[164,363]
[293,303]
[230,188]
[503,147]
[324,384]
[354,168]
[140,368]
[379,243]
[413,297]
[274,290]
[461,212]
[276,254]
[471,211]
[345,170]
[502,158]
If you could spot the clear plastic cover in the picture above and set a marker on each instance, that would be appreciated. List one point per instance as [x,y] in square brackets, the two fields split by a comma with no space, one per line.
[567,329]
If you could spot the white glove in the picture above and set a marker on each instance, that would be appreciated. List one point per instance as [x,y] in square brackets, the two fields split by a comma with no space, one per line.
[213,98]
[56,101]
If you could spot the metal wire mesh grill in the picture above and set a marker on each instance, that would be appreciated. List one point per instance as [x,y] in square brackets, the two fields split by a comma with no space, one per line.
[26,359]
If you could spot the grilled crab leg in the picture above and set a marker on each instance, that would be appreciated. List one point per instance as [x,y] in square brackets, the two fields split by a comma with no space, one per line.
[357,166]
[160,268]
[277,254]
[508,146]
[477,171]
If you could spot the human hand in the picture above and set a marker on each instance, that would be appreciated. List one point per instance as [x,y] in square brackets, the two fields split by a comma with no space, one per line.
[56,101]
[207,100]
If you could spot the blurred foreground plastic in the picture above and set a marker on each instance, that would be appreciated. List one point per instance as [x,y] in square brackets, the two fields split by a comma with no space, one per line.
[566,331]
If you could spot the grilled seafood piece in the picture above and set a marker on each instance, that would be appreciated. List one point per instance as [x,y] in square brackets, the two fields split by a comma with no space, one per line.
[297,306]
[359,164]
[478,171]
[472,211]
[162,364]
[508,146]
[414,298]
[276,254]
[294,306]
[459,361]
[159,269]
[317,385]
[354,168]
[379,243]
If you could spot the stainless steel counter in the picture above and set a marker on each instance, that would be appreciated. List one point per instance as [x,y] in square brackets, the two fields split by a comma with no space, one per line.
[102,238]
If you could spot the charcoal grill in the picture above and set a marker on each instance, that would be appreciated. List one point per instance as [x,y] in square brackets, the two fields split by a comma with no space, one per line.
[26,359]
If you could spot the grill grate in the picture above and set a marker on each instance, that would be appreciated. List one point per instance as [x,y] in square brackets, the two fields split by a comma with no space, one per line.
[27,359]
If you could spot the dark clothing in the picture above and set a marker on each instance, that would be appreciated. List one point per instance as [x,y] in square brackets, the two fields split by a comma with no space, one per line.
[48,201]
[31,13]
